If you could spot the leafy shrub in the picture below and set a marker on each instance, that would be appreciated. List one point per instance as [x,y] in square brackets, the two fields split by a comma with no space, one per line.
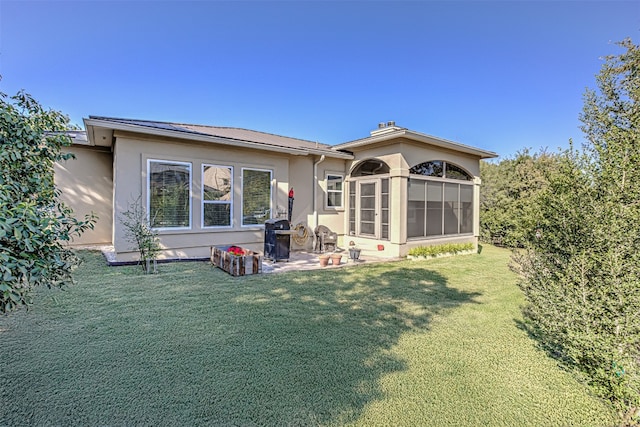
[508,211]
[34,222]
[447,248]
[138,230]
[581,274]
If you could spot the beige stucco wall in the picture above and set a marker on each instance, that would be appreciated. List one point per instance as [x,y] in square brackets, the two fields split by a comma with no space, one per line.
[86,184]
[132,151]
[400,155]
[403,154]
[334,218]
[306,174]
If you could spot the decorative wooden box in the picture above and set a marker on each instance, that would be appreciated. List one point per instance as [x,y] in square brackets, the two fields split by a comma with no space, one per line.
[236,265]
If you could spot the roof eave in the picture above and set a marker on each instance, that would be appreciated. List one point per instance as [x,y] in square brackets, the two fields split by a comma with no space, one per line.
[92,122]
[416,136]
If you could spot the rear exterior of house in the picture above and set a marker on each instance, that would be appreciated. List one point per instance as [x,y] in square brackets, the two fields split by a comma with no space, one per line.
[204,186]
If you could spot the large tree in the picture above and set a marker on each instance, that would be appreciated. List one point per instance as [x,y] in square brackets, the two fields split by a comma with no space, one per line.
[581,274]
[508,212]
[34,223]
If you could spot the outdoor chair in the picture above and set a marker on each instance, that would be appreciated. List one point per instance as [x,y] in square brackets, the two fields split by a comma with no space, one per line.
[325,239]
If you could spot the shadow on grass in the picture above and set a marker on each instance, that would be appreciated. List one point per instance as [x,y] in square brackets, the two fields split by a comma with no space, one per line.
[194,346]
[314,346]
[537,336]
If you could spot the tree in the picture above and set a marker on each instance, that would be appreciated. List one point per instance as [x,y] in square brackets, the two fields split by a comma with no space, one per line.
[508,212]
[34,222]
[581,275]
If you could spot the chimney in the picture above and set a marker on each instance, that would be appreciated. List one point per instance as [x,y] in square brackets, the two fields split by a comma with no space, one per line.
[385,127]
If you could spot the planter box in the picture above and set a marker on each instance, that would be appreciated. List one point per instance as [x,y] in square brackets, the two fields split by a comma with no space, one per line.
[236,265]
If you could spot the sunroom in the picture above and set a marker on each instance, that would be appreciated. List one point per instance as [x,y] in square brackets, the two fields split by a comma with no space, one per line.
[406,189]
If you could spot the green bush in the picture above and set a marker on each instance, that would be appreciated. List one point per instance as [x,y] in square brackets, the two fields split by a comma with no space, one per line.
[34,222]
[447,248]
[581,274]
[508,211]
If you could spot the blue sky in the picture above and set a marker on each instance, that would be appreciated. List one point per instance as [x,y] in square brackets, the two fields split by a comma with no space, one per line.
[497,75]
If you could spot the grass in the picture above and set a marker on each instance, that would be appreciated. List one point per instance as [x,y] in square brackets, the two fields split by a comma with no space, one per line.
[432,343]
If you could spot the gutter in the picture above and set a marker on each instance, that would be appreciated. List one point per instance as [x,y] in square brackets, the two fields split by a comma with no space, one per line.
[315,201]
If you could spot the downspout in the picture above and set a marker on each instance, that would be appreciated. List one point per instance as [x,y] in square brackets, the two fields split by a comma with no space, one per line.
[315,201]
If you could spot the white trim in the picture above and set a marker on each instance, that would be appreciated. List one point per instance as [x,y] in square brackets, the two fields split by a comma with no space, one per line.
[174,162]
[215,202]
[271,187]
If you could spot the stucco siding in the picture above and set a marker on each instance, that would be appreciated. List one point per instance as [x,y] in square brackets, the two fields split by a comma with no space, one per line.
[401,155]
[301,179]
[334,218]
[86,183]
[132,155]
[109,183]
[414,154]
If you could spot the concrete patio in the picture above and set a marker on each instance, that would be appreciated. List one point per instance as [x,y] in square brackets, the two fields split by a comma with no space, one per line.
[298,260]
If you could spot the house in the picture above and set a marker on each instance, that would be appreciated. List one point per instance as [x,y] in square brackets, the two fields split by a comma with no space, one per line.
[207,185]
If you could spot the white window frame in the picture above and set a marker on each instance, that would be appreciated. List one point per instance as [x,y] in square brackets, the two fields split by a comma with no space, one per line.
[326,199]
[204,202]
[242,213]
[148,207]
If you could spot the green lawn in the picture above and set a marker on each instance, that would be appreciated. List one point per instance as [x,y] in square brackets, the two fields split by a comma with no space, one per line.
[429,343]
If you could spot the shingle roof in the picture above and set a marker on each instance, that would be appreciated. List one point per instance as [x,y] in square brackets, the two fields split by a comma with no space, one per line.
[227,133]
[270,142]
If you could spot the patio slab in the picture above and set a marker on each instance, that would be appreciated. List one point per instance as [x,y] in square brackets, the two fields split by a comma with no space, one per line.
[298,260]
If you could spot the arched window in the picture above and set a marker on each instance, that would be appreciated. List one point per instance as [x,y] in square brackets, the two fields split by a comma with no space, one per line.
[441,169]
[436,207]
[370,167]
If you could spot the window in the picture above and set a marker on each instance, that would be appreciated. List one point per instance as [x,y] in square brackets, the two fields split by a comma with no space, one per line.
[451,209]
[437,208]
[169,194]
[256,196]
[217,196]
[334,191]
[466,209]
[384,208]
[416,213]
[434,209]
[441,169]
[370,167]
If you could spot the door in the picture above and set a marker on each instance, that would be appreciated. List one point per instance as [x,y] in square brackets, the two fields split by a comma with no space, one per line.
[367,209]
